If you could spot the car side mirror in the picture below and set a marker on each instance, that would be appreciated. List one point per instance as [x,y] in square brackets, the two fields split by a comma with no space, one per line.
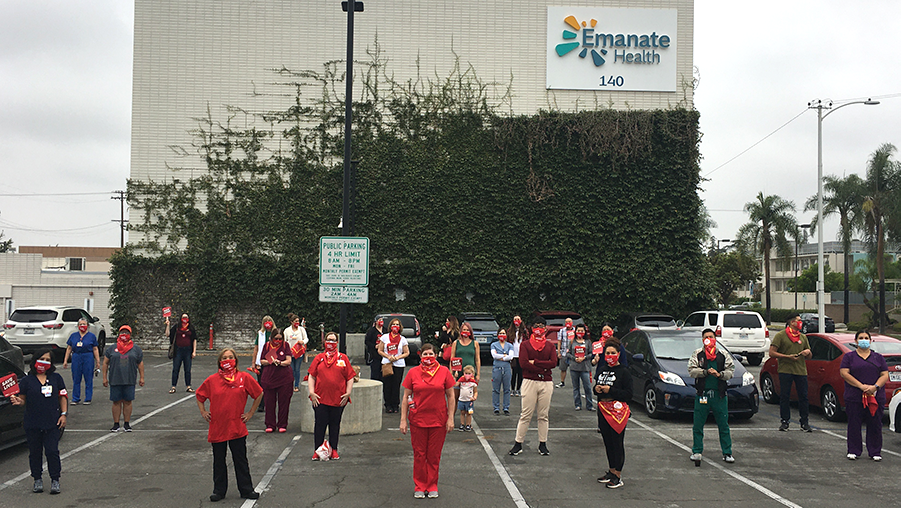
[95,319]
[638,358]
[738,358]
[679,323]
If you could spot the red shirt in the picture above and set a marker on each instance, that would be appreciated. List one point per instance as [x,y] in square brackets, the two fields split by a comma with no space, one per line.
[331,380]
[428,396]
[227,404]
[545,360]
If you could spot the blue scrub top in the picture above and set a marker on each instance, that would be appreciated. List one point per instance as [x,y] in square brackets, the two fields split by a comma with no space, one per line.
[81,344]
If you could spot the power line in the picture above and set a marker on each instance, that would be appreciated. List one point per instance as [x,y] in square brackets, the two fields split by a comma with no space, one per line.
[755,144]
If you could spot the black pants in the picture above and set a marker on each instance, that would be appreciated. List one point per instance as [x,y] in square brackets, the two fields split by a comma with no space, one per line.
[242,468]
[375,367]
[327,416]
[516,380]
[46,441]
[613,442]
[391,388]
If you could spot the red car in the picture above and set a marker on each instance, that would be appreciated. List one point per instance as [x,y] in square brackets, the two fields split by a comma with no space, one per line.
[826,388]
[556,319]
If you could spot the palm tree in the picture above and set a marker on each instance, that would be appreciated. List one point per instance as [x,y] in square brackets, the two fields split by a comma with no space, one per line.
[772,222]
[844,197]
[883,186]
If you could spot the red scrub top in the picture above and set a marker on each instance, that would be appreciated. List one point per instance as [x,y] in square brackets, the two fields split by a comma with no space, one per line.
[227,404]
[331,380]
[428,396]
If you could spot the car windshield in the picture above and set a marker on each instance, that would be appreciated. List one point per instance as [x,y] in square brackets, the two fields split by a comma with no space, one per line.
[656,321]
[483,325]
[675,348]
[886,348]
[741,321]
[33,315]
[407,322]
[560,321]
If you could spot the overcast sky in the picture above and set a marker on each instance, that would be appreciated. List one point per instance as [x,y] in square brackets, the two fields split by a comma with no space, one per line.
[65,107]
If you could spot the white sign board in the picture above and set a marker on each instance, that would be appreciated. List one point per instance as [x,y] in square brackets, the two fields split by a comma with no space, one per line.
[343,261]
[344,294]
[595,48]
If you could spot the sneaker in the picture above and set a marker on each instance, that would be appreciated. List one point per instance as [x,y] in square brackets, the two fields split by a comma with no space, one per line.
[851,456]
[783,427]
[506,412]
[560,385]
[877,458]
[269,430]
[462,428]
[806,427]
[469,428]
[87,403]
[115,427]
[38,486]
[589,407]
[419,495]
[517,449]
[615,482]
[497,412]
[433,494]
[216,497]
[126,427]
[54,487]
[578,408]
[250,495]
[729,459]
[334,455]
[75,402]
[606,478]
[696,457]
[282,430]
[315,456]
[542,449]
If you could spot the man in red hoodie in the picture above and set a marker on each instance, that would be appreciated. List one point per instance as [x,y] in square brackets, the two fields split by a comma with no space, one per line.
[537,360]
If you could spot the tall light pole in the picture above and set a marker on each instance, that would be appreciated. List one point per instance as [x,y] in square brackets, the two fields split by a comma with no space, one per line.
[797,241]
[724,240]
[820,105]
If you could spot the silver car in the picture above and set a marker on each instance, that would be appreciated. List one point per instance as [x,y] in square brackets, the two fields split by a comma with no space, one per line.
[33,328]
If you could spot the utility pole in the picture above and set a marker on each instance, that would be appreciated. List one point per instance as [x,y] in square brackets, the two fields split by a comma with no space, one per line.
[122,222]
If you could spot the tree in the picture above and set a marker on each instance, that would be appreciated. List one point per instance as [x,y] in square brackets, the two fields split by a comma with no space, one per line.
[772,222]
[732,271]
[5,245]
[881,206]
[844,197]
[807,280]
[865,280]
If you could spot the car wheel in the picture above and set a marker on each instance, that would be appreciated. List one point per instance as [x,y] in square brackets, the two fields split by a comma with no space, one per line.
[768,387]
[101,343]
[832,409]
[650,402]
[898,420]
[755,359]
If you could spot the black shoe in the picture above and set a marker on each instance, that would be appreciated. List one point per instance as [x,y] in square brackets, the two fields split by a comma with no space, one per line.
[606,478]
[497,412]
[469,428]
[506,413]
[806,427]
[517,449]
[54,487]
[38,486]
[126,427]
[615,482]
[115,427]
[251,495]
[542,449]
[784,426]
[216,497]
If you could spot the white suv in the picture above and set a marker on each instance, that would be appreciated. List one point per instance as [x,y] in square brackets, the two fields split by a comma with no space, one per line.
[741,331]
[33,328]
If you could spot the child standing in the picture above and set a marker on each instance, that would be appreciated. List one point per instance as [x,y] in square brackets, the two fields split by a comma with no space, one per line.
[469,392]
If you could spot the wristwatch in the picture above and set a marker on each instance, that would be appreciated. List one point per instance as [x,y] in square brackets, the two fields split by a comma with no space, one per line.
[63,413]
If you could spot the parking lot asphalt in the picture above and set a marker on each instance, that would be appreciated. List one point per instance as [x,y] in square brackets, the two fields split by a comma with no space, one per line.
[167,462]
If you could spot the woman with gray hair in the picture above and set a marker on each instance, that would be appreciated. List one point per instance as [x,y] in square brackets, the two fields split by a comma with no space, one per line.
[82,348]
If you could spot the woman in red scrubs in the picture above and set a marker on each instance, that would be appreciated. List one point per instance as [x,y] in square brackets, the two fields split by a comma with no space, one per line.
[227,392]
[330,382]
[428,405]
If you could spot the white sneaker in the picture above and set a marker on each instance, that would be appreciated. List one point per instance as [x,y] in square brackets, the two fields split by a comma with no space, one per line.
[696,457]
[851,456]
[877,458]
[418,495]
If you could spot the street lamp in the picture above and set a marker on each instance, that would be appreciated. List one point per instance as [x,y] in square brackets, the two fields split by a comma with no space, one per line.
[797,241]
[724,240]
[820,105]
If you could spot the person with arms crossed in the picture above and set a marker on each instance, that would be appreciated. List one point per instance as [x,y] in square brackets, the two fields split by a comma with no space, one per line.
[537,360]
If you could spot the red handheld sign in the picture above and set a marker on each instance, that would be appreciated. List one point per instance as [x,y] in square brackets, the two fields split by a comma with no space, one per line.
[597,348]
[456,364]
[9,384]
[167,311]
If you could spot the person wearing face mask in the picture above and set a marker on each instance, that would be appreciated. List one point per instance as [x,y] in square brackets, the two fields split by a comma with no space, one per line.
[296,337]
[371,341]
[82,348]
[516,334]
[228,391]
[538,360]
[565,337]
[791,348]
[711,370]
[276,380]
[501,372]
[449,333]
[614,390]
[428,412]
[393,349]
[122,363]
[579,357]
[43,393]
[865,373]
[330,383]
[185,339]
[262,338]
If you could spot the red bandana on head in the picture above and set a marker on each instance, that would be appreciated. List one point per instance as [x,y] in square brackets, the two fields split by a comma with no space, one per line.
[538,340]
[710,348]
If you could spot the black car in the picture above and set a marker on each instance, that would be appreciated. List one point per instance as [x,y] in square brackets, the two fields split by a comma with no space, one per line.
[810,323]
[11,431]
[484,329]
[658,362]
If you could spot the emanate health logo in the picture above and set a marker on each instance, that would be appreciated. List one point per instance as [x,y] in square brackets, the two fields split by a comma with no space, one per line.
[565,47]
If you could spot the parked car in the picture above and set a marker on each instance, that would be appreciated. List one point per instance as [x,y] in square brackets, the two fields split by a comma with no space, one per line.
[484,329]
[11,417]
[556,319]
[825,386]
[810,323]
[742,332]
[894,411]
[32,328]
[411,331]
[628,322]
[658,362]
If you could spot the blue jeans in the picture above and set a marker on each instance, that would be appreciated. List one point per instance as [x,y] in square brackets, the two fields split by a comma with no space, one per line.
[585,378]
[785,390]
[296,364]
[182,357]
[501,375]
[82,367]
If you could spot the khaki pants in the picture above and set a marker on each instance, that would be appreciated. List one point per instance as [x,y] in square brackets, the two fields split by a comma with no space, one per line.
[536,397]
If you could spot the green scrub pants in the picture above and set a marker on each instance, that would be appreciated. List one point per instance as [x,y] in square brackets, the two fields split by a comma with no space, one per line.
[720,407]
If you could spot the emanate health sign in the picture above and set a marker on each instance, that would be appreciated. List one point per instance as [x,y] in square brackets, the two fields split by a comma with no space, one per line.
[343,261]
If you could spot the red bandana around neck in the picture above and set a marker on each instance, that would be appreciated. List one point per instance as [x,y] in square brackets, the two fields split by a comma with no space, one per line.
[429,365]
[394,338]
[793,335]
[331,352]
[710,348]
[124,346]
[538,339]
[228,371]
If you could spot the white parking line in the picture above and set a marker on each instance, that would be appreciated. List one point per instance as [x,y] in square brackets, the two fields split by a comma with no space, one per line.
[767,492]
[273,469]
[93,443]
[501,470]
[896,454]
